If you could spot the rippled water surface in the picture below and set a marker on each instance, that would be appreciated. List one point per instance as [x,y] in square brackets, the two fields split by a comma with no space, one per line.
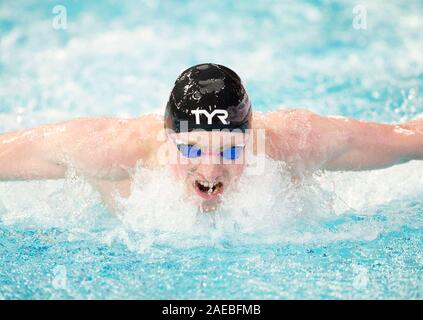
[338,235]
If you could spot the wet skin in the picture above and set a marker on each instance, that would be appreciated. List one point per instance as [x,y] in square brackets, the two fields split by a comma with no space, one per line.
[107,150]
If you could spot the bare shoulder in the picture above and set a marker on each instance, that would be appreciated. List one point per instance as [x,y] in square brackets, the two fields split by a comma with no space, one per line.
[273,119]
[148,135]
[139,138]
[109,148]
[287,131]
[302,138]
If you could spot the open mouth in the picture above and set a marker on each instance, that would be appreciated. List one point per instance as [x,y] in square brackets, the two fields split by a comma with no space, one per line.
[208,190]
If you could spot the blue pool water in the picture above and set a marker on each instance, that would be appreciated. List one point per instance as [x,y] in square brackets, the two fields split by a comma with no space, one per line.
[339,235]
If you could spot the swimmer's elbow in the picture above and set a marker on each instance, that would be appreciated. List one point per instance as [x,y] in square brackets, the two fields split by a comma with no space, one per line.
[25,161]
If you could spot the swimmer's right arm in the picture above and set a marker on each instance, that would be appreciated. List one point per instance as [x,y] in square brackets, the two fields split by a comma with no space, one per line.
[29,154]
[91,146]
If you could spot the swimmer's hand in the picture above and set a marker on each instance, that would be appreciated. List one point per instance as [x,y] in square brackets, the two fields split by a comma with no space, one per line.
[103,148]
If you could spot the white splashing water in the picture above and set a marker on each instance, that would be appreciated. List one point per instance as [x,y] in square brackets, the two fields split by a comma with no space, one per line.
[50,76]
[265,208]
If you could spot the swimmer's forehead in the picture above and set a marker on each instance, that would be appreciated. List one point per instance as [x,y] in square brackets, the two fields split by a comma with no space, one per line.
[211,137]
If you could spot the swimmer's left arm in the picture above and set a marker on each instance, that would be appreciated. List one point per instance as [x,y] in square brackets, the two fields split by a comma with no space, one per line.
[307,142]
[369,145]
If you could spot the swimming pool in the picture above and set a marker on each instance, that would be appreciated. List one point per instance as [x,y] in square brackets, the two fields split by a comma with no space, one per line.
[339,235]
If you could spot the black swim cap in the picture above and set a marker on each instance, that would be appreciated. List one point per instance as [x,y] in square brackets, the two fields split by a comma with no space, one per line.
[208,96]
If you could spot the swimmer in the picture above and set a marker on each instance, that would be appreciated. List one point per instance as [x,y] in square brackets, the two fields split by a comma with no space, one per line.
[207,132]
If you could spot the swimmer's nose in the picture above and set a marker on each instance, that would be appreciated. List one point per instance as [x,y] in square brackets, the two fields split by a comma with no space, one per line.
[210,172]
[208,153]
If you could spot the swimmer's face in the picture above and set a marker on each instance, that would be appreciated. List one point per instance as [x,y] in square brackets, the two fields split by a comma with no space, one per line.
[208,163]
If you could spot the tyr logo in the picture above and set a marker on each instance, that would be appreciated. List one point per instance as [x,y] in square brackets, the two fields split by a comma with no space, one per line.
[221,114]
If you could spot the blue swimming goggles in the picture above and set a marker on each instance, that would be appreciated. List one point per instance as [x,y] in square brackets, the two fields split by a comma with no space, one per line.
[192,151]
